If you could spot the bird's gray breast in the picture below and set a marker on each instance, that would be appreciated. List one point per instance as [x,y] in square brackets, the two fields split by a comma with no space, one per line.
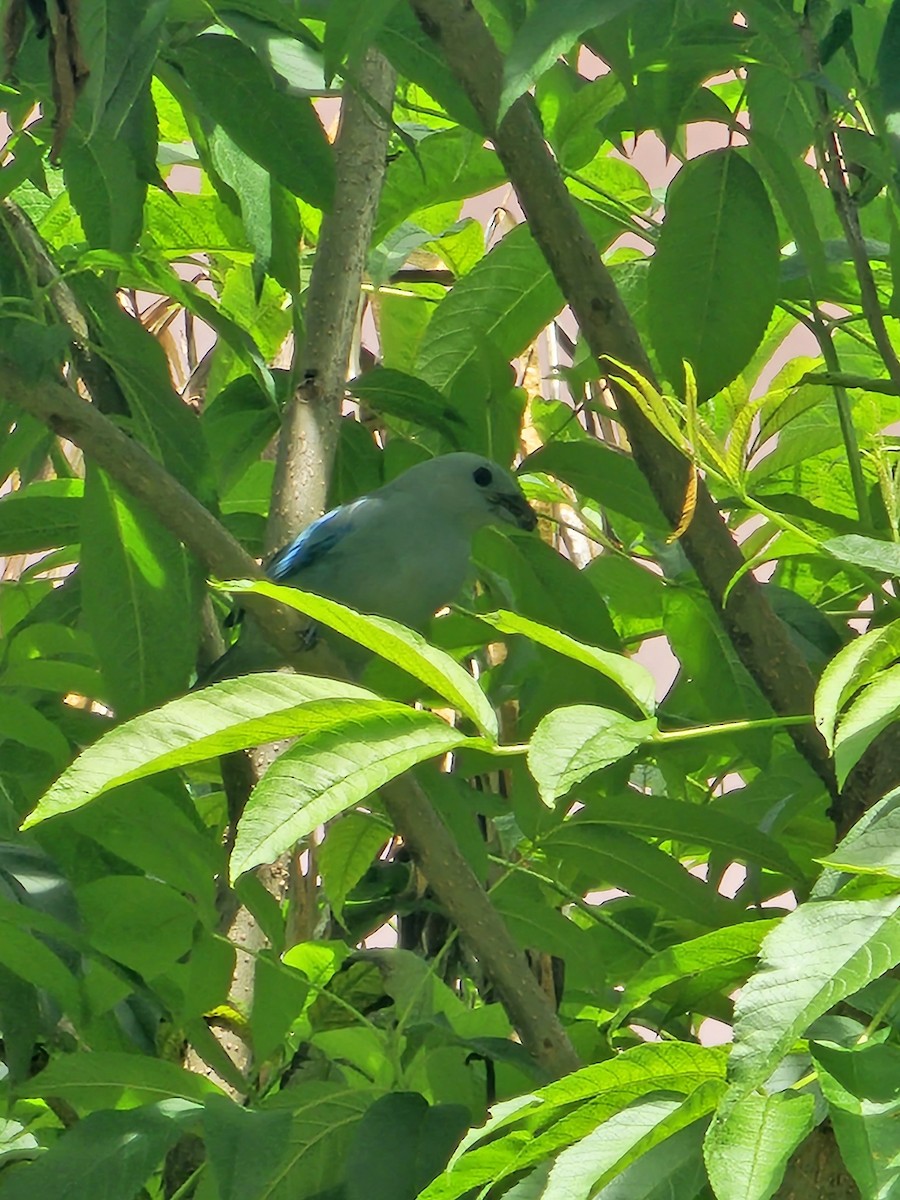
[406,575]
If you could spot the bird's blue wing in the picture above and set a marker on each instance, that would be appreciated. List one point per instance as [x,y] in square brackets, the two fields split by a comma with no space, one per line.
[315,541]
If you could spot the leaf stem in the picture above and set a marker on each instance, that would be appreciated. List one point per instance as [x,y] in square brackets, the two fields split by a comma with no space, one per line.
[686,735]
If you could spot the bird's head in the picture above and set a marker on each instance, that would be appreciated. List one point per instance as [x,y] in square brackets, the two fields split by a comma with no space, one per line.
[476,490]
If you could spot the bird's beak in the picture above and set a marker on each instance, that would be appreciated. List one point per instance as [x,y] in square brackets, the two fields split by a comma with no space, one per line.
[516,510]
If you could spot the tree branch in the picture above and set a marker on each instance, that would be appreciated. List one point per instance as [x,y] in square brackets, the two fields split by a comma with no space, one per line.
[760,639]
[309,428]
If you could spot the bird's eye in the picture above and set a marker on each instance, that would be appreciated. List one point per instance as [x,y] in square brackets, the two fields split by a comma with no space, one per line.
[482,476]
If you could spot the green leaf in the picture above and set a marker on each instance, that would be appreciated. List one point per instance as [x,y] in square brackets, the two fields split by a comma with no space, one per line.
[105,1156]
[849,670]
[873,845]
[279,995]
[29,959]
[535,1127]
[138,922]
[110,1079]
[451,164]
[712,962]
[106,192]
[392,641]
[572,743]
[416,56]
[866,552]
[714,277]
[548,31]
[237,92]
[245,1147]
[861,1087]
[502,304]
[228,716]
[747,1150]
[401,1144]
[252,185]
[395,394]
[351,28]
[237,426]
[21,722]
[604,474]
[634,680]
[819,954]
[120,40]
[40,516]
[701,825]
[672,1168]
[144,826]
[163,424]
[872,711]
[888,78]
[346,854]
[325,1118]
[357,747]
[607,857]
[138,598]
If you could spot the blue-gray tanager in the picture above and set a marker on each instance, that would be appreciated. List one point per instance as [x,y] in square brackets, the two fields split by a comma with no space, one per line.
[400,552]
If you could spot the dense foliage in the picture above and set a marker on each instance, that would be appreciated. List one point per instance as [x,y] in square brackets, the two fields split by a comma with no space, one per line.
[685,863]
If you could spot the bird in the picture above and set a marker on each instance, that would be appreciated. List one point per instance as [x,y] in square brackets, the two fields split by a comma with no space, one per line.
[402,551]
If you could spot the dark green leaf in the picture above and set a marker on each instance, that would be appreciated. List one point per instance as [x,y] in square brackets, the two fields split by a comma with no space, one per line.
[245,1147]
[237,92]
[41,516]
[106,192]
[395,394]
[106,1156]
[401,1144]
[609,858]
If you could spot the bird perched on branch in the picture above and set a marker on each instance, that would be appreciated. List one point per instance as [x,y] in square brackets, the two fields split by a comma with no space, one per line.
[400,552]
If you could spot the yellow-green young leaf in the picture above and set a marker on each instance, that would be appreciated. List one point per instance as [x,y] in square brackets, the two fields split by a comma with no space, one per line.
[572,743]
[332,767]
[635,680]
[408,649]
[654,406]
[747,1150]
[346,853]
[229,716]
[739,439]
